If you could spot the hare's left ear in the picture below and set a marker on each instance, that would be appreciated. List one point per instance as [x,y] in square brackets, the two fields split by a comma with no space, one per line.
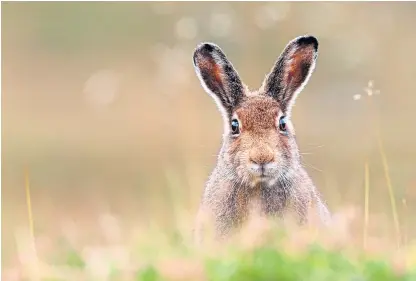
[291,72]
[218,77]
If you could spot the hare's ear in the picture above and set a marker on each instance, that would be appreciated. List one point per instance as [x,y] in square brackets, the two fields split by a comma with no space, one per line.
[218,76]
[292,70]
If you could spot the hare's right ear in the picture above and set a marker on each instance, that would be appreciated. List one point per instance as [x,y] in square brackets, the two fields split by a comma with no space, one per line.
[292,71]
[218,76]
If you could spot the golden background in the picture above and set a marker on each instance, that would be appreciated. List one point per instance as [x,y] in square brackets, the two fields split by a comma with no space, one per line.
[101,103]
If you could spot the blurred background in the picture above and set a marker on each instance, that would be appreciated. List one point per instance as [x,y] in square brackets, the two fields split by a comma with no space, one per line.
[101,104]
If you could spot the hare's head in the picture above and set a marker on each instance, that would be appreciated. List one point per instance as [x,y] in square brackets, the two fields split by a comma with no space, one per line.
[259,139]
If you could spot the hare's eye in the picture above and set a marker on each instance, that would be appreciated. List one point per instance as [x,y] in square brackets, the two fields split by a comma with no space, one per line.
[235,127]
[282,124]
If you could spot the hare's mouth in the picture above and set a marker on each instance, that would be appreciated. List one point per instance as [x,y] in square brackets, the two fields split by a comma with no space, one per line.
[262,171]
[262,179]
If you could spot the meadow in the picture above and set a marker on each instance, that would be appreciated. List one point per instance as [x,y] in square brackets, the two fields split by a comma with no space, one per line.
[108,139]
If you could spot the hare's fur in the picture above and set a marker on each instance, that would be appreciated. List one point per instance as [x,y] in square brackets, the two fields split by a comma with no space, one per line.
[259,167]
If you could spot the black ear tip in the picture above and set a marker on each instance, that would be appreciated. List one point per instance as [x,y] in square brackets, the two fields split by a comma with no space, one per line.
[205,49]
[209,47]
[308,40]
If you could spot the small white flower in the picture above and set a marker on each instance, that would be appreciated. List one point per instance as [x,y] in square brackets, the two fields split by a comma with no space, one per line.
[357,97]
[370,89]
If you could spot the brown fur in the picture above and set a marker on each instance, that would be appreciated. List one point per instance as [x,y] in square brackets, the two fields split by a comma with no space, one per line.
[259,168]
[303,56]
[209,65]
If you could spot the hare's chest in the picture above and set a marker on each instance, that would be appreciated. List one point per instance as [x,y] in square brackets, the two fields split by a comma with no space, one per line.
[249,201]
[261,201]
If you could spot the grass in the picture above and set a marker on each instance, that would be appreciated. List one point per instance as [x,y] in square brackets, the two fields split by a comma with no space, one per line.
[374,124]
[273,255]
[391,193]
[264,250]
[366,202]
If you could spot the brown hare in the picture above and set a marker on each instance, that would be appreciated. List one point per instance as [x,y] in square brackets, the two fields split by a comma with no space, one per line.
[259,160]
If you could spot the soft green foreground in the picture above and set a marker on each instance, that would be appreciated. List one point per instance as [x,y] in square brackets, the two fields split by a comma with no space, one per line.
[167,257]
[266,263]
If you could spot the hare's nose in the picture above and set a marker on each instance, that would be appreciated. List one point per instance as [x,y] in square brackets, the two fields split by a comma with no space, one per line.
[261,155]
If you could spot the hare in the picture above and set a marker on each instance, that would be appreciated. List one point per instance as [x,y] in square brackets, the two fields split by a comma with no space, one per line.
[259,160]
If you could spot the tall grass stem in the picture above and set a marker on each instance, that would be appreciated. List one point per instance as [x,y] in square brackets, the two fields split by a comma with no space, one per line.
[366,203]
[29,205]
[391,192]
